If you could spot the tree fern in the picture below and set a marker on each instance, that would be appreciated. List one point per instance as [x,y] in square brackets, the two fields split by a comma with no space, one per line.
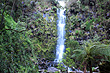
[90,51]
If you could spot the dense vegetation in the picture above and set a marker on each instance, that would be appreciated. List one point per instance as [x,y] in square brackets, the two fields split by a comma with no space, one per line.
[88,33]
[28,34]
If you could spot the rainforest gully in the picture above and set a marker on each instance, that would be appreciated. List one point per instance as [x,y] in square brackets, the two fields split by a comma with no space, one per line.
[54,36]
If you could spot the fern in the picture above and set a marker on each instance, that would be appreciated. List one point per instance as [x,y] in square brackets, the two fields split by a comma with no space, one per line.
[90,51]
[9,22]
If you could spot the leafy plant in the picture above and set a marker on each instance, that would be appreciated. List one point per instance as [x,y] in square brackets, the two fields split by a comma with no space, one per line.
[16,49]
[78,32]
[90,51]
[73,44]
[68,60]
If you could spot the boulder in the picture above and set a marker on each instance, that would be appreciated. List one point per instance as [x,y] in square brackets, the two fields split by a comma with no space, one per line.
[52,69]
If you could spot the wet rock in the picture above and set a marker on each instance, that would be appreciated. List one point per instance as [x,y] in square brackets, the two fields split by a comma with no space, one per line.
[48,9]
[42,71]
[52,63]
[76,72]
[52,69]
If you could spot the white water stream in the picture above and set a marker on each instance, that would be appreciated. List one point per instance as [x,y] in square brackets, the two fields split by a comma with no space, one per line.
[60,32]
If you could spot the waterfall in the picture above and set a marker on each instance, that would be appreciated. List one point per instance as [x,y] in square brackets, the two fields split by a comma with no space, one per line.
[60,32]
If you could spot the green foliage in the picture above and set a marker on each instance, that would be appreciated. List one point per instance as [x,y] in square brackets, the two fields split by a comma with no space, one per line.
[20,44]
[46,36]
[15,49]
[9,22]
[88,24]
[57,72]
[96,38]
[60,66]
[94,25]
[68,60]
[73,44]
[91,51]
[13,8]
[78,32]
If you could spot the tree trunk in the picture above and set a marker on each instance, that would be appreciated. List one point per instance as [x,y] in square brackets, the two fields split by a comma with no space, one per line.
[85,67]
[90,66]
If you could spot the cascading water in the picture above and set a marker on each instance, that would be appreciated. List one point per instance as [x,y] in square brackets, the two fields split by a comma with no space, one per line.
[61,32]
